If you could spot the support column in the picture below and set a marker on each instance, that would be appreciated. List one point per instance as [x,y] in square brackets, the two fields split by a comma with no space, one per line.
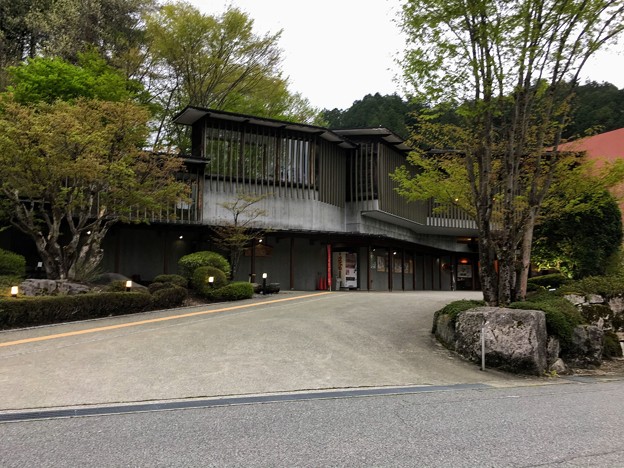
[368,268]
[292,263]
[390,264]
[252,273]
[403,270]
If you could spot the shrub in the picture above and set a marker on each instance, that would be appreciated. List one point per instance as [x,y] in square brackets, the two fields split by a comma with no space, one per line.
[12,264]
[169,297]
[116,286]
[200,283]
[189,263]
[606,286]
[178,280]
[561,315]
[153,287]
[236,291]
[454,309]
[611,345]
[41,310]
[554,280]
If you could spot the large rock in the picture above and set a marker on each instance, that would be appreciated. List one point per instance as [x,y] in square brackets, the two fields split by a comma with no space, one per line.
[515,340]
[45,287]
[445,330]
[586,347]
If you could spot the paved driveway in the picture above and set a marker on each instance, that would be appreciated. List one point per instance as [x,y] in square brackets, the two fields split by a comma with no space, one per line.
[292,341]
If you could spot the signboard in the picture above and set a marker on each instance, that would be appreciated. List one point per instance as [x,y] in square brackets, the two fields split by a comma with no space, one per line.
[464,271]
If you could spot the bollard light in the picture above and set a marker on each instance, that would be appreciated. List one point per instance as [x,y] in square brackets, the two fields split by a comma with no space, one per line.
[264,277]
[211,281]
[14,290]
[128,285]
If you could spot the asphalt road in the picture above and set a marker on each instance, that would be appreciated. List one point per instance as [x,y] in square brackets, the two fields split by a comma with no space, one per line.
[571,425]
[288,342]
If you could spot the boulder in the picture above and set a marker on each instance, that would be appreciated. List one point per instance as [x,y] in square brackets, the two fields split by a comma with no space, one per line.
[45,287]
[552,350]
[445,330]
[559,367]
[586,346]
[616,304]
[515,340]
[575,299]
[595,299]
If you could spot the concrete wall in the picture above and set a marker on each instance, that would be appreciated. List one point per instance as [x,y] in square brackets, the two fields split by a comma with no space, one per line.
[293,209]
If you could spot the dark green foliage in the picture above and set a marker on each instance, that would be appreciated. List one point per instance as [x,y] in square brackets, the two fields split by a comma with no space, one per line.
[236,291]
[169,297]
[555,280]
[172,279]
[561,315]
[12,264]
[580,231]
[611,345]
[116,286]
[200,283]
[375,110]
[597,107]
[189,263]
[40,310]
[593,312]
[6,281]
[157,286]
[454,309]
[606,286]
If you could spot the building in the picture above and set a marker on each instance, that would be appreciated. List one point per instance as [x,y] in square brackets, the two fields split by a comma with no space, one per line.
[333,217]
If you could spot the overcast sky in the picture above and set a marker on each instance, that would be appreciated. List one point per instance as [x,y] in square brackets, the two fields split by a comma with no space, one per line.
[337,51]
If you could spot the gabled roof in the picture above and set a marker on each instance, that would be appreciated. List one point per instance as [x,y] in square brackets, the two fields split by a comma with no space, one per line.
[607,146]
[190,114]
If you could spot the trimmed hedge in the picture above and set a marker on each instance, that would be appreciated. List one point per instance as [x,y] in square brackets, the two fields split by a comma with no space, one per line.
[200,283]
[42,310]
[236,291]
[189,263]
[12,264]
[172,279]
[6,281]
[611,345]
[169,297]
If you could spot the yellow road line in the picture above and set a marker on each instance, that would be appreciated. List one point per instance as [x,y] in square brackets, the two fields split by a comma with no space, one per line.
[143,322]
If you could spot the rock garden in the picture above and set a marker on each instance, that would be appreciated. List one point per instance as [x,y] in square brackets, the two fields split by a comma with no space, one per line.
[562,327]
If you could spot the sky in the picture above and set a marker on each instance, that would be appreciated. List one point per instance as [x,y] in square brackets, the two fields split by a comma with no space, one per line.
[337,51]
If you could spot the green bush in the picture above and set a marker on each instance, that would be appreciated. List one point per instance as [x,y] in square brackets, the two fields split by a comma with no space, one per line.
[172,279]
[12,264]
[554,280]
[454,309]
[200,283]
[611,345]
[189,263]
[116,286]
[606,286]
[169,297]
[236,291]
[41,310]
[561,315]
[153,287]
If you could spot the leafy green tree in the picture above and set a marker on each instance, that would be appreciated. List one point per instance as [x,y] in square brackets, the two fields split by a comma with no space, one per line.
[580,223]
[389,111]
[596,108]
[69,171]
[50,79]
[218,62]
[513,65]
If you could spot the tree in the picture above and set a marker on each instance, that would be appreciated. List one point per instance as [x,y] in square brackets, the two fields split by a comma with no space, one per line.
[580,225]
[514,66]
[69,171]
[218,62]
[597,108]
[239,232]
[390,111]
